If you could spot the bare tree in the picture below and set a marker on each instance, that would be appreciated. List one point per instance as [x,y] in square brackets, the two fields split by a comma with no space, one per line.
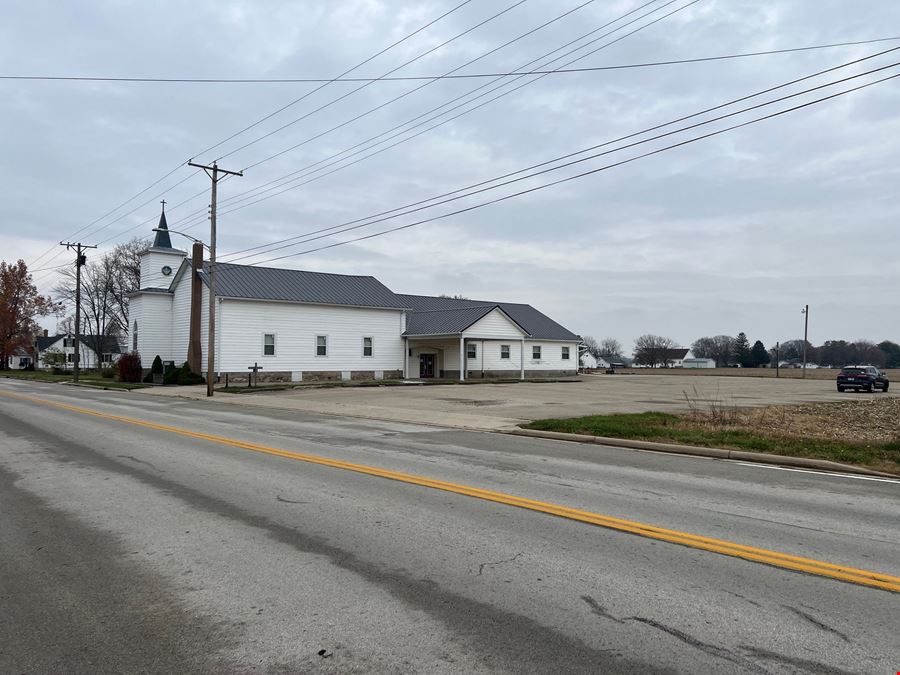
[610,347]
[719,347]
[105,285]
[653,350]
[125,278]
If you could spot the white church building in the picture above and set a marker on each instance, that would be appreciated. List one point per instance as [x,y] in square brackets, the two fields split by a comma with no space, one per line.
[301,326]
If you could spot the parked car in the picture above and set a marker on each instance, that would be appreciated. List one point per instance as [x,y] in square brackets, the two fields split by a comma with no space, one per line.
[862,378]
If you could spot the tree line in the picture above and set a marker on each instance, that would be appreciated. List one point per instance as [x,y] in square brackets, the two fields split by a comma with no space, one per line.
[732,351]
[106,283]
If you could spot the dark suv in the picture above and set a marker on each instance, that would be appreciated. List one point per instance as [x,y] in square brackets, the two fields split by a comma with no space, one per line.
[862,378]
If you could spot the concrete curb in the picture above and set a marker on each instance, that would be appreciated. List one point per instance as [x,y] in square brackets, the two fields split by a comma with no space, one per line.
[718,453]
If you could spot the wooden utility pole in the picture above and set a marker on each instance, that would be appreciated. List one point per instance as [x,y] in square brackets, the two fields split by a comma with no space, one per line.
[213,172]
[80,260]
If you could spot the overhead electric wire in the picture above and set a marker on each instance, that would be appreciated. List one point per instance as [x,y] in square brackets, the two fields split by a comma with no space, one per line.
[361,87]
[329,232]
[269,116]
[720,106]
[583,174]
[191,221]
[346,72]
[406,78]
[199,212]
[261,189]
[368,112]
[282,189]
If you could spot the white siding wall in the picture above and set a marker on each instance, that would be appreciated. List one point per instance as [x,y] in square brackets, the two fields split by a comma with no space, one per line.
[491,356]
[296,327]
[155,328]
[152,263]
[551,356]
[493,324]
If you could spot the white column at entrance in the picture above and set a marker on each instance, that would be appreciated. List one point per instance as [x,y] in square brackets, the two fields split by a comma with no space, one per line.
[405,358]
[462,359]
[522,359]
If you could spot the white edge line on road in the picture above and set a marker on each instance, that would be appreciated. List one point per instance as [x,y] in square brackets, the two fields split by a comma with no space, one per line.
[821,473]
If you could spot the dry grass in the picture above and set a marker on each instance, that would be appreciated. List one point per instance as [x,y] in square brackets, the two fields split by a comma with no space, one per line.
[865,432]
[871,420]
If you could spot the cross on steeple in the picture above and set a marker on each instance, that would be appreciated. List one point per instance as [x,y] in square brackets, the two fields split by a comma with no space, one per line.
[162,239]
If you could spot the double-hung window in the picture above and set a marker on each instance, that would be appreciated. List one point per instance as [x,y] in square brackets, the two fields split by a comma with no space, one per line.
[321,345]
[269,344]
[504,351]
[471,351]
[368,346]
[565,353]
[536,352]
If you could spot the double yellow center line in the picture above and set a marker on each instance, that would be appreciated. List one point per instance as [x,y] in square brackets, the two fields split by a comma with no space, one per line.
[760,555]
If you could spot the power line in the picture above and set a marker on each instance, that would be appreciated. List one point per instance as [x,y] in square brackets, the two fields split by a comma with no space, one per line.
[360,88]
[346,72]
[241,196]
[397,98]
[411,78]
[263,119]
[259,190]
[589,149]
[583,174]
[270,248]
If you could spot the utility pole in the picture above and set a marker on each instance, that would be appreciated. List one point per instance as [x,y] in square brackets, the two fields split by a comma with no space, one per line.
[777,357]
[213,172]
[80,260]
[805,312]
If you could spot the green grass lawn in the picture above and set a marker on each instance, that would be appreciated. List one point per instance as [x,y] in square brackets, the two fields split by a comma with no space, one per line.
[91,378]
[666,428]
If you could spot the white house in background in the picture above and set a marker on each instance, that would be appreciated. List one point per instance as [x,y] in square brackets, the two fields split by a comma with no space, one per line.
[64,344]
[698,363]
[20,359]
[300,325]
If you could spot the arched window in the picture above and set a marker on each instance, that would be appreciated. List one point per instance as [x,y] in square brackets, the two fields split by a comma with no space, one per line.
[134,333]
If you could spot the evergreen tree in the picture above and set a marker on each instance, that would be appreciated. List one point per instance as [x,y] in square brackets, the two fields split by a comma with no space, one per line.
[758,355]
[742,350]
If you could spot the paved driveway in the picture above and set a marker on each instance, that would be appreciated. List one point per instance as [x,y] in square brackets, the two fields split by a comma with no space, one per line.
[504,406]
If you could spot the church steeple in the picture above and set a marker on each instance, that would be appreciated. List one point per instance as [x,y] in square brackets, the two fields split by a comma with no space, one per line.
[162,236]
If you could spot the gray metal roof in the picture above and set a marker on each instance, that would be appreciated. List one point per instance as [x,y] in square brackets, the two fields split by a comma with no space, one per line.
[444,321]
[268,283]
[538,325]
[109,343]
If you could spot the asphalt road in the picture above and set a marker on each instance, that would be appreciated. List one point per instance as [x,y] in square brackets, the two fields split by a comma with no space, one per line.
[126,548]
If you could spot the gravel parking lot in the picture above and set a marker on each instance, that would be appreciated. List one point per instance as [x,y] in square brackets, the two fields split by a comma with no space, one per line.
[504,406]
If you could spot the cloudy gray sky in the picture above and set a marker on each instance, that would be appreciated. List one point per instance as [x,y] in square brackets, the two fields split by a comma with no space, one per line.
[733,233]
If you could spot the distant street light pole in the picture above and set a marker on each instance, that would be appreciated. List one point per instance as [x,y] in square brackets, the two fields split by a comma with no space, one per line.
[213,172]
[193,239]
[805,312]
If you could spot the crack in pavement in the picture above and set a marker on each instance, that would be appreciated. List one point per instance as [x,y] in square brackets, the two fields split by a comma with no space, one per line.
[288,501]
[141,461]
[712,650]
[815,622]
[809,666]
[499,562]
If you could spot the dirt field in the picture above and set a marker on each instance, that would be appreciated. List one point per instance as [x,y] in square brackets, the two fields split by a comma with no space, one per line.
[783,373]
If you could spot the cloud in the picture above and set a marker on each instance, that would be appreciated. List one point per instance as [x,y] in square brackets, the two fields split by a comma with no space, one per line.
[732,233]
